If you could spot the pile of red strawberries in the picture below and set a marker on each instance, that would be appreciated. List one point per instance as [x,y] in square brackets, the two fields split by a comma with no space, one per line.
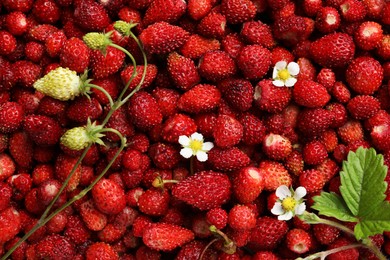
[209,70]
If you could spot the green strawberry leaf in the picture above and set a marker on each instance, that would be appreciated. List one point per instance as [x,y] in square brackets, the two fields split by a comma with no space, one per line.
[332,205]
[374,223]
[362,182]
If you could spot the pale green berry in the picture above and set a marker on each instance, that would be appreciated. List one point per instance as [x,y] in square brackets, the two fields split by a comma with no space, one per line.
[60,83]
[97,41]
[124,27]
[76,138]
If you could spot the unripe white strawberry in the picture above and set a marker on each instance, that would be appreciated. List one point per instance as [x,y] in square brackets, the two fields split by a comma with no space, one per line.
[78,138]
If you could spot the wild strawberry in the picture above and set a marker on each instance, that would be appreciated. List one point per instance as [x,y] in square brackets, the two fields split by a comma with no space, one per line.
[327,20]
[241,217]
[254,61]
[281,54]
[204,190]
[23,6]
[199,9]
[34,51]
[340,92]
[327,78]
[103,65]
[93,218]
[213,25]
[267,233]
[197,45]
[55,246]
[232,44]
[313,180]
[274,175]
[350,254]
[26,72]
[201,98]
[164,11]
[8,43]
[162,38]
[256,32]
[164,156]
[310,94]
[229,159]
[314,153]
[294,163]
[311,7]
[46,11]
[11,117]
[10,221]
[363,107]
[54,43]
[16,23]
[369,72]
[182,71]
[144,111]
[176,126]
[205,123]
[353,10]
[380,137]
[63,166]
[227,131]
[217,217]
[166,237]
[238,93]
[111,233]
[248,183]
[100,250]
[127,72]
[216,65]
[7,166]
[271,98]
[42,130]
[333,50]
[254,129]
[380,118]
[91,15]
[292,28]
[238,11]
[298,240]
[351,131]
[325,234]
[276,147]
[383,48]
[75,55]
[368,36]
[307,70]
[108,197]
[154,202]
[264,255]
[314,121]
[6,194]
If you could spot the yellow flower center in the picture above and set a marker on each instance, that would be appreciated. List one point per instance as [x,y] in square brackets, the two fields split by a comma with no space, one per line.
[283,74]
[196,145]
[289,204]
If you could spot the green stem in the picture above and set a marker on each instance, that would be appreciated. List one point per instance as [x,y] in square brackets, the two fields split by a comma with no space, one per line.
[322,255]
[104,92]
[336,225]
[370,245]
[207,247]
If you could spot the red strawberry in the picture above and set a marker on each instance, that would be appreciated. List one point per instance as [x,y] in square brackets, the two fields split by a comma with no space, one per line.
[327,20]
[228,131]
[166,237]
[162,38]
[363,107]
[298,240]
[274,175]
[100,250]
[353,10]
[34,51]
[63,166]
[368,36]
[313,180]
[264,255]
[154,202]
[6,194]
[144,111]
[217,217]
[380,136]
[21,149]
[93,218]
[111,233]
[164,11]
[271,98]
[26,72]
[340,92]
[11,117]
[294,163]
[53,246]
[167,100]
[182,71]
[314,153]
[22,6]
[204,190]
[46,11]
[164,156]
[239,93]
[54,43]
[7,43]
[198,9]
[229,159]
[292,29]
[216,65]
[105,64]
[212,25]
[83,108]
[267,233]
[7,166]
[254,129]
[364,75]
[310,94]
[351,132]
[108,197]
[91,15]
[205,123]
[10,223]
[276,147]
[232,44]
[325,234]
[151,73]
[177,125]
[196,46]
[256,32]
[254,61]
[248,183]
[75,55]
[201,98]
[333,50]
[241,217]
[40,32]
[43,130]
[238,11]
[314,121]
[350,254]
[16,23]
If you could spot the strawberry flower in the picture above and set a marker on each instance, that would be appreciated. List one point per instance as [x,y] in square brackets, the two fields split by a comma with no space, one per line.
[285,74]
[290,202]
[195,146]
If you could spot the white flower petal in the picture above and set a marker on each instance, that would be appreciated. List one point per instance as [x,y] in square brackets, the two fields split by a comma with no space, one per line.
[197,136]
[278,83]
[184,140]
[290,82]
[299,193]
[300,209]
[275,73]
[283,192]
[186,152]
[207,146]
[293,68]
[286,216]
[280,65]
[201,156]
[277,209]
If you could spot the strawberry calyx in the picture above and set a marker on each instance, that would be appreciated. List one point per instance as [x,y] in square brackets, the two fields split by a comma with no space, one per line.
[229,247]
[124,27]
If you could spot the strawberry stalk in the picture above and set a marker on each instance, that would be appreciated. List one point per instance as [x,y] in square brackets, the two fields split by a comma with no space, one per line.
[159,182]
[323,254]
[228,246]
